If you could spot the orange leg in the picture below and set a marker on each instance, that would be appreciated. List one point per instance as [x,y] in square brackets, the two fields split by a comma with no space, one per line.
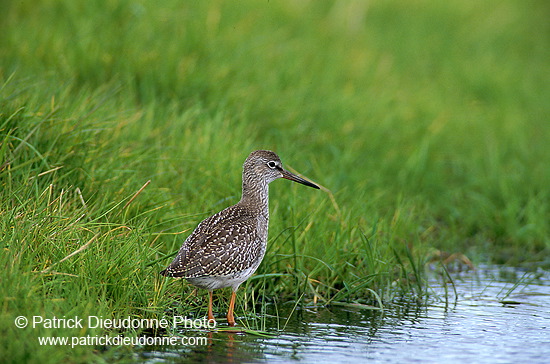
[230,318]
[210,314]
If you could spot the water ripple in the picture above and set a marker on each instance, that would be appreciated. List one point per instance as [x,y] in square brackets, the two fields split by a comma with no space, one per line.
[497,318]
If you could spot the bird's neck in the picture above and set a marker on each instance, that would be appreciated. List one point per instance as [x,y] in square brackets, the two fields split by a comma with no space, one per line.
[255,197]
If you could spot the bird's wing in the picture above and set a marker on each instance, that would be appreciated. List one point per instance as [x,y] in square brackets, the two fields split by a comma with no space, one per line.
[219,246]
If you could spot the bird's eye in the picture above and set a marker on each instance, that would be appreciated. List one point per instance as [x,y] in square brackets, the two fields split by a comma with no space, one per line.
[271,164]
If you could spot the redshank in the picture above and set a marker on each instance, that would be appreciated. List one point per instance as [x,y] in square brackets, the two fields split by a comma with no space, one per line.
[225,249]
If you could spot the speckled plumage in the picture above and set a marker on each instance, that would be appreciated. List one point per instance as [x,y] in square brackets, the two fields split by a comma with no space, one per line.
[227,248]
[221,246]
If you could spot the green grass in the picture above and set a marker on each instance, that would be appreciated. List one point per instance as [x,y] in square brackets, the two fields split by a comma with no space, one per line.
[428,122]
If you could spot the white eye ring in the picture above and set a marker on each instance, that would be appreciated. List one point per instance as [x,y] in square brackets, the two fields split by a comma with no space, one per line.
[271,164]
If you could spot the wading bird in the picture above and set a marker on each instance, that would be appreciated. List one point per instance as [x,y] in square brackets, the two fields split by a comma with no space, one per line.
[226,249]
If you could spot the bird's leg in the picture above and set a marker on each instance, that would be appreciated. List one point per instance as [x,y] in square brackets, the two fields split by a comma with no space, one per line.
[230,318]
[210,314]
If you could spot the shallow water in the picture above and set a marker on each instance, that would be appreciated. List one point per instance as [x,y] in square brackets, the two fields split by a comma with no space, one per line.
[500,315]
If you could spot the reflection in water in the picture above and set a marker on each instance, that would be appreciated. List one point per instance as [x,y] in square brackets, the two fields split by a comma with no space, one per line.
[499,316]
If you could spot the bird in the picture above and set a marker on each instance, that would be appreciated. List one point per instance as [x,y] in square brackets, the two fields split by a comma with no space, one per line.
[226,248]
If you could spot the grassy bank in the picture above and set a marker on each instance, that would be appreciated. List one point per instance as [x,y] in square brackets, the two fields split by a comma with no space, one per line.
[428,123]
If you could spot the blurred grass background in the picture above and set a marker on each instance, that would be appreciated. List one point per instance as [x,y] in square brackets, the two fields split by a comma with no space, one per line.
[428,121]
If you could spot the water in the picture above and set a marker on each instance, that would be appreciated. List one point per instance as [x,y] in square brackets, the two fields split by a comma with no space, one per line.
[499,316]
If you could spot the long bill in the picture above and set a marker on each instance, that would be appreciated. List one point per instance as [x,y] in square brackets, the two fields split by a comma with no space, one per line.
[295,178]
